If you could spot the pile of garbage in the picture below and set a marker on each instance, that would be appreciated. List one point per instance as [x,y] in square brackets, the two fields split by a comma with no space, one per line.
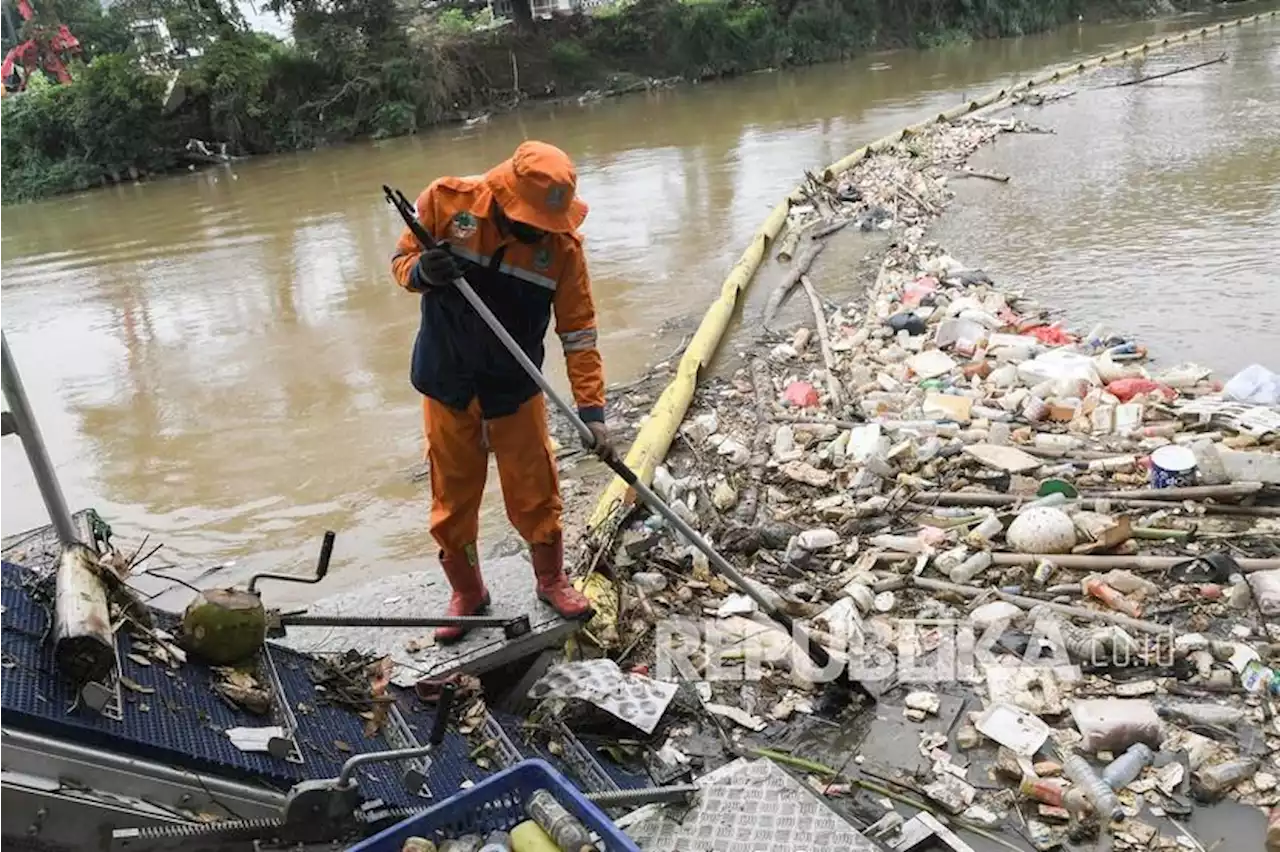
[941,463]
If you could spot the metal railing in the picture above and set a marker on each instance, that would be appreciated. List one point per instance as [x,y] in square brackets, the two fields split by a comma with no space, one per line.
[20,421]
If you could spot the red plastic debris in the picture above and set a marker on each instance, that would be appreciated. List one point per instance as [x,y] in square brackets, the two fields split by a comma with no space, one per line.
[914,292]
[801,395]
[1126,389]
[1051,335]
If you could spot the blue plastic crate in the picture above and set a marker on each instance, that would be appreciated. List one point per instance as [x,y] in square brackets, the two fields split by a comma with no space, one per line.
[497,804]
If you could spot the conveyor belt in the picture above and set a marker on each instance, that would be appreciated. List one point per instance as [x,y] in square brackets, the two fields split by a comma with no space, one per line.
[615,776]
[182,723]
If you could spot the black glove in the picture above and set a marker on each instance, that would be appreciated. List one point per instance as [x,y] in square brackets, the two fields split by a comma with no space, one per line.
[435,268]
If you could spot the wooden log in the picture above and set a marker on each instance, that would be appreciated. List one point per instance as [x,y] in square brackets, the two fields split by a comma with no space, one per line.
[802,264]
[826,230]
[84,644]
[828,358]
[789,242]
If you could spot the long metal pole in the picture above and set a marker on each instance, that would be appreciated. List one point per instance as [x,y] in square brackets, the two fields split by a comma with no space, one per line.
[33,445]
[816,652]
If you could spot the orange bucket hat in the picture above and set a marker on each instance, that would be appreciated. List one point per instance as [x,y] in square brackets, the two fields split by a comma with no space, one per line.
[537,186]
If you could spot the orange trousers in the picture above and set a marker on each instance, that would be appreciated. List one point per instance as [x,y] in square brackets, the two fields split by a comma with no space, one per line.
[459,462]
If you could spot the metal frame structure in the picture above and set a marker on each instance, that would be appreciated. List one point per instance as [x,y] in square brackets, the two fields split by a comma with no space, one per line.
[19,420]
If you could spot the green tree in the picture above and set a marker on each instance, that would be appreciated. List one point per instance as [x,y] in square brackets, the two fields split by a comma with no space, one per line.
[191,23]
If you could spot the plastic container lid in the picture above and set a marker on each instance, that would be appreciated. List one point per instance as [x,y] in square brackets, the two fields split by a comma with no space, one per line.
[1057,486]
[1174,458]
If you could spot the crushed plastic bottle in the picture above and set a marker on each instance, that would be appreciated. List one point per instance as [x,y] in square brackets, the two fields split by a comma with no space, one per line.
[1210,783]
[1124,769]
[1102,797]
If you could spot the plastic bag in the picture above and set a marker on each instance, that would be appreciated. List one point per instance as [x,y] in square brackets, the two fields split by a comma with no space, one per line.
[1114,724]
[1266,591]
[801,395]
[1256,384]
[1059,364]
[1051,335]
[1126,389]
[915,292]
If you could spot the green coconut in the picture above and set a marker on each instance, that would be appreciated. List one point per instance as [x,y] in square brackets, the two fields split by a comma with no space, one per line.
[224,626]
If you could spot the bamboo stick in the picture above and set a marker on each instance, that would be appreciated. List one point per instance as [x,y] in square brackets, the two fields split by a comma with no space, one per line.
[1148,79]
[833,384]
[1188,492]
[1089,562]
[968,171]
[978,498]
[1026,602]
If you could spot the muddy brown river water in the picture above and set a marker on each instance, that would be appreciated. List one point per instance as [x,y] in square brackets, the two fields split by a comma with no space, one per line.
[220,359]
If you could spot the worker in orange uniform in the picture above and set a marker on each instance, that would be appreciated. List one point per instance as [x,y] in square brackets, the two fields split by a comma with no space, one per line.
[513,234]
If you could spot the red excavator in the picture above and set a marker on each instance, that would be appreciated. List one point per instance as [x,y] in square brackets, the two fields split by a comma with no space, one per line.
[46,50]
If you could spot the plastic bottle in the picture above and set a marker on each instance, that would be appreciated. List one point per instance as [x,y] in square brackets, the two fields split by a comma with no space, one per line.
[1102,797]
[1128,766]
[497,841]
[1053,791]
[563,827]
[1186,713]
[1094,587]
[971,567]
[984,531]
[465,843]
[418,844]
[528,836]
[1056,442]
[1082,645]
[1212,782]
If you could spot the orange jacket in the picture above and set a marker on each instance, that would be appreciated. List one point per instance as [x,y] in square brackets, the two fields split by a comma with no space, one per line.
[456,358]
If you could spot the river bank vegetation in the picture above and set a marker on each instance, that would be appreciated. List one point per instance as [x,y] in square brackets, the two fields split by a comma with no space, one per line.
[380,68]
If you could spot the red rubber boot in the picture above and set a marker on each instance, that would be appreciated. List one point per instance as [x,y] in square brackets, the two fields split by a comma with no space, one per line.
[470,597]
[554,587]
